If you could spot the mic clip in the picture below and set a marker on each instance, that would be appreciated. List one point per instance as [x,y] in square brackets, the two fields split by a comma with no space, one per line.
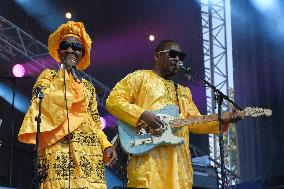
[184,69]
[38,92]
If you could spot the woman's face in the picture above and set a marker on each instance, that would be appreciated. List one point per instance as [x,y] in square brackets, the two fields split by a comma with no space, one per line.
[70,51]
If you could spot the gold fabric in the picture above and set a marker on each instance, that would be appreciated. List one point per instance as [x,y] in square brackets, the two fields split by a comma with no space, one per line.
[164,167]
[75,29]
[87,140]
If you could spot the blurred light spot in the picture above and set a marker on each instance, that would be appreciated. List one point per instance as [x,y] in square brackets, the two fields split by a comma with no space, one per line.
[103,121]
[151,37]
[263,5]
[21,102]
[68,15]
[18,70]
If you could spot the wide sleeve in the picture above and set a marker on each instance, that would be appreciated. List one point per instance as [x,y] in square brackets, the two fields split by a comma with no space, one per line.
[121,101]
[93,109]
[54,124]
[52,107]
[211,127]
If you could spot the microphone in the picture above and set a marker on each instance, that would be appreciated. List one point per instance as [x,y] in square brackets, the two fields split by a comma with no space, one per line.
[185,69]
[74,71]
[38,92]
[181,66]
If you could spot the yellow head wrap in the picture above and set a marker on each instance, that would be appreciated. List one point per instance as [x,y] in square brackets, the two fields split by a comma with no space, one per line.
[75,29]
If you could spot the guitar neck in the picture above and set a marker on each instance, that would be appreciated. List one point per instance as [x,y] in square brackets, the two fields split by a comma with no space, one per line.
[249,111]
[197,120]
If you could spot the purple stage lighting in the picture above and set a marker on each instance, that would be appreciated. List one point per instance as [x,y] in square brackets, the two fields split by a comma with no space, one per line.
[103,122]
[18,70]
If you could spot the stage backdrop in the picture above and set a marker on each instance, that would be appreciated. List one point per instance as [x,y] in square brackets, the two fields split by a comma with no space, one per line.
[258,46]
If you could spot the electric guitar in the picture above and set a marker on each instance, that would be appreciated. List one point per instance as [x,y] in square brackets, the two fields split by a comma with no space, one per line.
[138,141]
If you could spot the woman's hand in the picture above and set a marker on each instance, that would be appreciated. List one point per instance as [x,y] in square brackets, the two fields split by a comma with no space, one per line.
[109,156]
[69,61]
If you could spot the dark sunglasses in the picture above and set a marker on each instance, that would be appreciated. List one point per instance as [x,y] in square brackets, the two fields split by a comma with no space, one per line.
[64,45]
[174,54]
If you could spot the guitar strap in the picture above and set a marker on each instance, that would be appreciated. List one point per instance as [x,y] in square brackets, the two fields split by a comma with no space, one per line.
[176,90]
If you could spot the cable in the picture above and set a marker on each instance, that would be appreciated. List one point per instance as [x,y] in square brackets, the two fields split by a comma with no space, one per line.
[12,133]
[68,122]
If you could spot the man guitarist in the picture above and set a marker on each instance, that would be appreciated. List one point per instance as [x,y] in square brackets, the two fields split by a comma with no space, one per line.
[133,99]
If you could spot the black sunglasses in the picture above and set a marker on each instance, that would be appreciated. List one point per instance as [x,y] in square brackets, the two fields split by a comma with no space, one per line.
[174,54]
[64,45]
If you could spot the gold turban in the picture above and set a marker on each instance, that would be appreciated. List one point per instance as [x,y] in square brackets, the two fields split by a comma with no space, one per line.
[75,29]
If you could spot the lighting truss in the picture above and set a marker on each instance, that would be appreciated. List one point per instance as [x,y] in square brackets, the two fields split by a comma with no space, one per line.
[16,45]
[218,68]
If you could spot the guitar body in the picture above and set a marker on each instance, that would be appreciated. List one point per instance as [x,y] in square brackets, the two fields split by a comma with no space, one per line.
[138,144]
[138,141]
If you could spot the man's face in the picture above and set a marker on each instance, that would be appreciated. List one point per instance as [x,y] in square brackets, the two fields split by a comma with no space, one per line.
[167,64]
[70,47]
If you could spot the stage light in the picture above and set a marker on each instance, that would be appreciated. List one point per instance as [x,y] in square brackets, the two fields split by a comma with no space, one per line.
[103,125]
[18,70]
[151,37]
[264,5]
[68,15]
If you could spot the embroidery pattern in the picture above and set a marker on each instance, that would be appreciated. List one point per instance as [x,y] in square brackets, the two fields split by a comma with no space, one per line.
[86,166]
[61,165]
[54,160]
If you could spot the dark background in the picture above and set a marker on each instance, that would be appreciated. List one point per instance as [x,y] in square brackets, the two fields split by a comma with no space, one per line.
[258,77]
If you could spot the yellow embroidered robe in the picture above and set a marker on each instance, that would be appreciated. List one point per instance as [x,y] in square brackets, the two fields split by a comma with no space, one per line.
[87,140]
[164,167]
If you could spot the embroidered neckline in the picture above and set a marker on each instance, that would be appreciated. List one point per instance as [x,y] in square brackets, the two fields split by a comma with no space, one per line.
[167,80]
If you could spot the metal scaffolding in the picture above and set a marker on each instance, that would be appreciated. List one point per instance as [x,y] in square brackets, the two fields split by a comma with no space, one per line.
[16,45]
[218,68]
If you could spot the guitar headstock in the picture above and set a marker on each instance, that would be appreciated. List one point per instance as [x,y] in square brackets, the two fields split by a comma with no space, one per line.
[255,112]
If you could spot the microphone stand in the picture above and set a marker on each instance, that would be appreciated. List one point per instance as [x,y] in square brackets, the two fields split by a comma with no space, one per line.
[219,97]
[13,81]
[12,130]
[37,174]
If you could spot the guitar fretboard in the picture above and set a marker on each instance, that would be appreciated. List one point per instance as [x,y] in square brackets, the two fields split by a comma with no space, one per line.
[197,120]
[253,112]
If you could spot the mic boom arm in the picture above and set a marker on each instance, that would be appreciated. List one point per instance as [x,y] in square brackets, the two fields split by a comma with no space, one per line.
[188,71]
